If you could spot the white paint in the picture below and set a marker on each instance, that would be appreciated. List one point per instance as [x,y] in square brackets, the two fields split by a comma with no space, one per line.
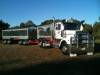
[72,55]
[89,53]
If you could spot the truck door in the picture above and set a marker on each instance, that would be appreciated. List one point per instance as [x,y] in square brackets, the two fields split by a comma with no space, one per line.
[58,29]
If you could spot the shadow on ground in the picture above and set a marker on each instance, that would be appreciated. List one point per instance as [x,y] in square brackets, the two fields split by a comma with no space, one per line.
[66,67]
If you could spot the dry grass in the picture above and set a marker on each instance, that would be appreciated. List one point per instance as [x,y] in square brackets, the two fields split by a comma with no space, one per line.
[32,59]
[18,56]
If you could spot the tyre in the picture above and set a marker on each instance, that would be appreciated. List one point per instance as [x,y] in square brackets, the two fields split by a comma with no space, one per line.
[65,49]
[20,42]
[5,41]
[8,42]
[24,42]
[42,44]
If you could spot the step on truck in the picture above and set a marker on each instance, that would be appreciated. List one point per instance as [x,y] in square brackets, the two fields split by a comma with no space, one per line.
[69,37]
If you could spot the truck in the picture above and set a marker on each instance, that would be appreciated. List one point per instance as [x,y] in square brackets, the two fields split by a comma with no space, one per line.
[20,36]
[69,37]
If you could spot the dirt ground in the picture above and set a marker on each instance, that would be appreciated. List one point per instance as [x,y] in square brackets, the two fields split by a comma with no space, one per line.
[32,60]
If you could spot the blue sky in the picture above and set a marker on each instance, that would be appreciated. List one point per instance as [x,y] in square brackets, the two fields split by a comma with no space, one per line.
[16,11]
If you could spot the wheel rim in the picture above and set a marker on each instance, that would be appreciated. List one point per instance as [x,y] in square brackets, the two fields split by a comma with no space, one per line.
[43,44]
[24,43]
[8,42]
[64,49]
[20,42]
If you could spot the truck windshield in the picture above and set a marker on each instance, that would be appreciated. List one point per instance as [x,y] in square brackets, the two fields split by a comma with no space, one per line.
[71,26]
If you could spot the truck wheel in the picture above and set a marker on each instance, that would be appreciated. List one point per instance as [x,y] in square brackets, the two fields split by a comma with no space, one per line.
[8,42]
[5,42]
[65,49]
[20,42]
[42,44]
[24,42]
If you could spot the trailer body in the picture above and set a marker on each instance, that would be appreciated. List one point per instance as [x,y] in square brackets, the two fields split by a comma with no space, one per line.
[22,36]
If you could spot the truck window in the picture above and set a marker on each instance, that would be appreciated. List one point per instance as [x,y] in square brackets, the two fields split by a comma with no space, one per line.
[15,33]
[33,33]
[44,31]
[23,33]
[58,27]
[71,26]
[5,33]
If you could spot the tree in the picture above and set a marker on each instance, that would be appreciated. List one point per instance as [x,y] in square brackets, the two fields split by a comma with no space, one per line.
[96,30]
[96,27]
[72,20]
[15,27]
[22,25]
[99,19]
[46,22]
[30,24]
[27,24]
[87,28]
[3,26]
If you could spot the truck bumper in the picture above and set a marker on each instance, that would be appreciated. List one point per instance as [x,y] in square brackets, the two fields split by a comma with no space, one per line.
[81,50]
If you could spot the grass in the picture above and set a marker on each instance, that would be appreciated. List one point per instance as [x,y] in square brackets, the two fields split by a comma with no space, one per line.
[16,56]
[28,60]
[97,41]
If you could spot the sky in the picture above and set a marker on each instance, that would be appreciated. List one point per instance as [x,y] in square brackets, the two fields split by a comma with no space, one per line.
[16,11]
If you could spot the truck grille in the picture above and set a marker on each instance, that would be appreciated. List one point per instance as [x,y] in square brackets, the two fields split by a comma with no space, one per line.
[83,40]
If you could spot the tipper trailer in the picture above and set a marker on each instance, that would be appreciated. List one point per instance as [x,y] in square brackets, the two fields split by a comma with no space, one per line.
[21,36]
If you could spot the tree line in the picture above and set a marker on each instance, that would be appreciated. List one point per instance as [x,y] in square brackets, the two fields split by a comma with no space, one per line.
[92,29]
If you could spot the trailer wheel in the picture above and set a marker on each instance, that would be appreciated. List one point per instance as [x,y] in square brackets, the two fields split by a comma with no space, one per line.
[24,42]
[4,41]
[8,42]
[20,42]
[42,44]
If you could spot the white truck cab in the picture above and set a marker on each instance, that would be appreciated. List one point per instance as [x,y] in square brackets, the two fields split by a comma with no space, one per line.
[71,39]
